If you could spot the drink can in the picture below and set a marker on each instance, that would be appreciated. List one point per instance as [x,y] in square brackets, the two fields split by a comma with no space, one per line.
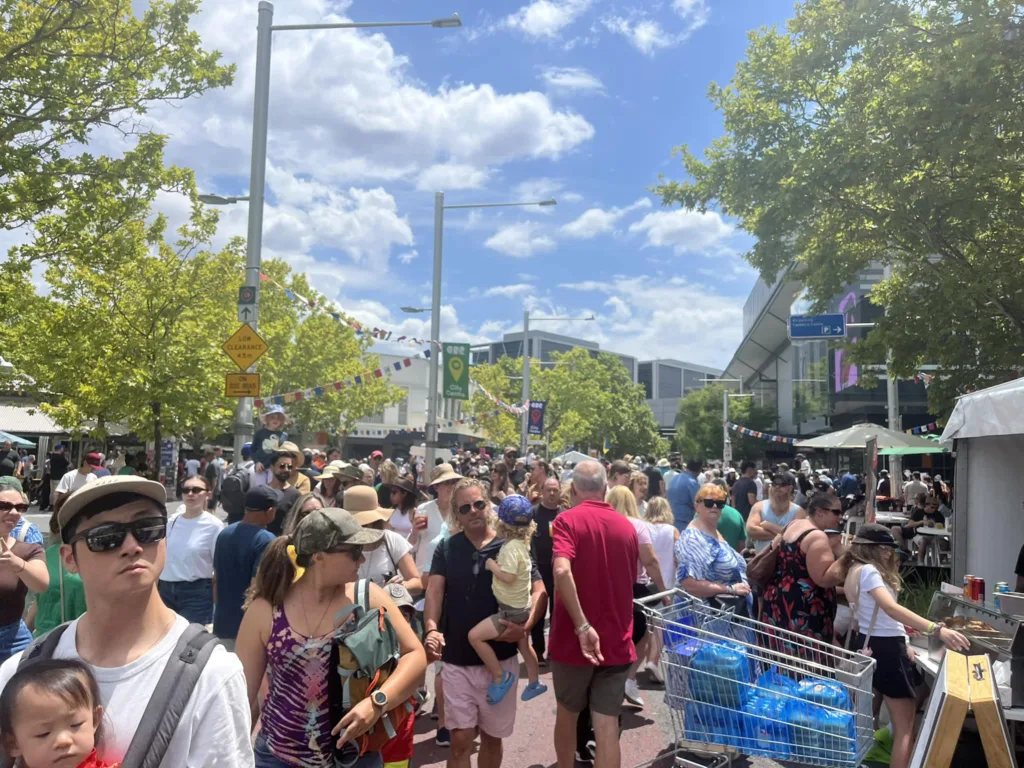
[968,588]
[1003,587]
[979,589]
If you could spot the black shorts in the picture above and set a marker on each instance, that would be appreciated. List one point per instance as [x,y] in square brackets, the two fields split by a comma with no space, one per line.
[896,676]
[640,591]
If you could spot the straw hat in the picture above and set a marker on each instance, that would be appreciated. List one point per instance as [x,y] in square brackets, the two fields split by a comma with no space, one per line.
[361,502]
[442,473]
[331,470]
[293,449]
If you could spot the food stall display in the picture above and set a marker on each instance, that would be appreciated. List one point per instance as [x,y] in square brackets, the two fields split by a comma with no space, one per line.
[998,635]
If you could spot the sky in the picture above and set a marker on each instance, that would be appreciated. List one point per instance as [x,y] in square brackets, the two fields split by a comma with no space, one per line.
[580,100]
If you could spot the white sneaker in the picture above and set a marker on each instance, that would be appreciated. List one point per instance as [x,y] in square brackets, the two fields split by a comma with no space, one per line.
[654,670]
[633,694]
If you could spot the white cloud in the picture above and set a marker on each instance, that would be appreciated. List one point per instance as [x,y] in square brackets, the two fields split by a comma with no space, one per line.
[447,176]
[598,221]
[574,79]
[684,231]
[545,19]
[543,188]
[520,240]
[649,36]
[694,12]
[409,256]
[510,291]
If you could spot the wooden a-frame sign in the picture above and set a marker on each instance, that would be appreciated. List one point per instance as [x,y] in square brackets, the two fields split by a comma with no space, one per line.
[964,683]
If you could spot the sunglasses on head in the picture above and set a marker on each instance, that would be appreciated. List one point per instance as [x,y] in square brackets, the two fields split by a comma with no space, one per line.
[479,505]
[7,506]
[193,489]
[714,503]
[110,536]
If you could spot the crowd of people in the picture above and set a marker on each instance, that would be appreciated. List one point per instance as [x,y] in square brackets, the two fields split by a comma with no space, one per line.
[266,590]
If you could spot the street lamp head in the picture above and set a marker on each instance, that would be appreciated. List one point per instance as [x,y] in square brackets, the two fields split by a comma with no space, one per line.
[413,310]
[449,23]
[220,199]
[552,201]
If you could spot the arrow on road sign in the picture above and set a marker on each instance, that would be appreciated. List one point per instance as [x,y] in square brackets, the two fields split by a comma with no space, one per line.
[244,313]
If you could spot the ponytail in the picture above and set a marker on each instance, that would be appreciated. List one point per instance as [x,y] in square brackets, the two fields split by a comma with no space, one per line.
[276,573]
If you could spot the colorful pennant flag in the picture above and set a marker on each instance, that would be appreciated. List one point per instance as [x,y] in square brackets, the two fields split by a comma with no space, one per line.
[762,435]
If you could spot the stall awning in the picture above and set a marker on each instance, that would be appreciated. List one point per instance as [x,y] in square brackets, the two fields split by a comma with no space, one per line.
[17,442]
[998,410]
[912,451]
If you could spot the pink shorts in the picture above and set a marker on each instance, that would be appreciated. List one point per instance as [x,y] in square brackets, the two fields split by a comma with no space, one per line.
[465,699]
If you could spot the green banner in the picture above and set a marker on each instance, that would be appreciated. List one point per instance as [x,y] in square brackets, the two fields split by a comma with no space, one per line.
[456,372]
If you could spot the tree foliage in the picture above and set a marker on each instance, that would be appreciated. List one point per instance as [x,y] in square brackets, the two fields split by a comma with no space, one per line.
[589,399]
[885,132]
[699,425]
[68,67]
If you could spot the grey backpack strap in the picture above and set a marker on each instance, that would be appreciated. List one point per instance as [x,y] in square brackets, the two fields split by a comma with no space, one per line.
[44,646]
[363,594]
[170,697]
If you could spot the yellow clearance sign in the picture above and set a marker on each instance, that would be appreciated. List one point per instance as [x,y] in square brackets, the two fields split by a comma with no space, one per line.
[245,347]
[241,385]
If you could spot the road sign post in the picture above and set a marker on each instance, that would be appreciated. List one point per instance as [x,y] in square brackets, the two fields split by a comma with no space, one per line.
[815,327]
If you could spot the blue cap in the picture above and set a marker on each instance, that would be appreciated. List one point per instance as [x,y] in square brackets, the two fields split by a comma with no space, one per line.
[246,450]
[262,498]
[515,510]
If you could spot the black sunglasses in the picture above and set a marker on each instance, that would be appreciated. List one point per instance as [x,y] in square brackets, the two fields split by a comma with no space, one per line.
[352,550]
[713,503]
[109,536]
[193,489]
[7,506]
[479,505]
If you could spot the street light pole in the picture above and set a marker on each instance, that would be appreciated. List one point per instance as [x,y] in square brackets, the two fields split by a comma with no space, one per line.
[524,432]
[435,309]
[258,167]
[726,441]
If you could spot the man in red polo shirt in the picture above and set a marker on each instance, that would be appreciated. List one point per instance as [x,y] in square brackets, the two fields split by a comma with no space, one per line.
[596,552]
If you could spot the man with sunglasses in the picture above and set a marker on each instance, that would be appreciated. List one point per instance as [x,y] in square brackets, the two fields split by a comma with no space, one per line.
[462,585]
[281,466]
[112,534]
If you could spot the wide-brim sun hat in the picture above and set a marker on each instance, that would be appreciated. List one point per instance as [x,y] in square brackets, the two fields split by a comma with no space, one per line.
[105,486]
[663,463]
[361,502]
[331,470]
[875,534]
[293,449]
[324,530]
[443,473]
[403,483]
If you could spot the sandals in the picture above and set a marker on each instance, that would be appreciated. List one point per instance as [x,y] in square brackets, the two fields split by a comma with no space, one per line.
[496,691]
[533,690]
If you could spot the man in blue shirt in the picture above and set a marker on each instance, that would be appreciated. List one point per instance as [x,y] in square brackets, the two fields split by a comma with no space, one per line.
[236,557]
[682,491]
[848,484]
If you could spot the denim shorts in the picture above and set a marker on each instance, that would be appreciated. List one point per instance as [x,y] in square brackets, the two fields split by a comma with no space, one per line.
[191,599]
[266,759]
[14,637]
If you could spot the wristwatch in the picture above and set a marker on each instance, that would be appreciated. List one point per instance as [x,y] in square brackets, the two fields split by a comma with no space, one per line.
[379,699]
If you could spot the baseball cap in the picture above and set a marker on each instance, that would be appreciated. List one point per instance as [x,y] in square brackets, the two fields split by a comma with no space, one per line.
[515,510]
[784,479]
[350,472]
[10,481]
[399,595]
[108,486]
[377,454]
[325,529]
[262,498]
[93,459]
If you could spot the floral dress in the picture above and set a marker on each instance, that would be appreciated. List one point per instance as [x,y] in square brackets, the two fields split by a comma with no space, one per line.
[793,601]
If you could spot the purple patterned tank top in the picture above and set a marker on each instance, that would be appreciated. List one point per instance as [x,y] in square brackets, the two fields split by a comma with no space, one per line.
[296,718]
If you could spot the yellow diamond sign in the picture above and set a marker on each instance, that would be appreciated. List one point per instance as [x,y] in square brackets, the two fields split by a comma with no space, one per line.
[245,347]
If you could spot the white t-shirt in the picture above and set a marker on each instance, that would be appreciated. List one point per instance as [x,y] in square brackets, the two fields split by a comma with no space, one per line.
[760,488]
[379,562]
[643,533]
[74,480]
[425,553]
[885,625]
[191,467]
[215,726]
[190,545]
[401,523]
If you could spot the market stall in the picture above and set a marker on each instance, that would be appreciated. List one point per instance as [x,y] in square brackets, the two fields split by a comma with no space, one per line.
[986,433]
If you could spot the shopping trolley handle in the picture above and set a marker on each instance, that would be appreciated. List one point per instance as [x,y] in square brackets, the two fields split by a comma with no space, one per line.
[660,597]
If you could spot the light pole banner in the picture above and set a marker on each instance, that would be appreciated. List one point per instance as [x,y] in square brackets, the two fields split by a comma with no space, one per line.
[536,424]
[456,372]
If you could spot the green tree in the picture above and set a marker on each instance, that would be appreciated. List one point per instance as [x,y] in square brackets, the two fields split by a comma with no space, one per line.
[882,132]
[699,425]
[68,67]
[309,348]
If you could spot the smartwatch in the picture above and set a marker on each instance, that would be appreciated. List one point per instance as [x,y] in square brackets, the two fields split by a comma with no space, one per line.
[379,699]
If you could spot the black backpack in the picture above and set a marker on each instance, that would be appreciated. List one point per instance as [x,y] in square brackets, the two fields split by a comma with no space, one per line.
[233,490]
[166,705]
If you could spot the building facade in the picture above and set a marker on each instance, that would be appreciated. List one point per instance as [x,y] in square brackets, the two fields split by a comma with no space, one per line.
[666,382]
[542,345]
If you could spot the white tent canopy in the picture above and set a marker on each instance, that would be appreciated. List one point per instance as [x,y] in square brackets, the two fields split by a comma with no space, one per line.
[998,410]
[858,435]
[573,456]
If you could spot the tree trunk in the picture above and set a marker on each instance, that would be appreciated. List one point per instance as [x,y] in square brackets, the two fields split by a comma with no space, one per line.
[154,472]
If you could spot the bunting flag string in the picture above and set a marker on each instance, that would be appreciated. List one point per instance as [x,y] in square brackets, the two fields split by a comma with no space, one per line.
[762,435]
[337,386]
[518,410]
[923,430]
[381,334]
[384,431]
[923,378]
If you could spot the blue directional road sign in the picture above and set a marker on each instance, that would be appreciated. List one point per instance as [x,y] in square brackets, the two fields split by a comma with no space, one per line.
[807,327]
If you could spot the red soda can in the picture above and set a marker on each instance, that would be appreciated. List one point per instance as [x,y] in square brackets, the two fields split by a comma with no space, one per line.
[979,589]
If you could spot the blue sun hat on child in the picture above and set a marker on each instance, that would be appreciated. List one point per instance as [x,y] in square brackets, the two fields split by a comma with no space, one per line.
[515,510]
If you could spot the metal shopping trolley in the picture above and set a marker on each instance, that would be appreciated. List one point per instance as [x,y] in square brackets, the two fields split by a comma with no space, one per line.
[735,686]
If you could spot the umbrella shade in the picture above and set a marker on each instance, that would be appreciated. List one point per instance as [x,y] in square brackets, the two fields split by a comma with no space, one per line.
[17,442]
[858,435]
[574,456]
[911,451]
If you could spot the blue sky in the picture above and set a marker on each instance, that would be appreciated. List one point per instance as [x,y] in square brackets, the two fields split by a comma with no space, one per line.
[582,100]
